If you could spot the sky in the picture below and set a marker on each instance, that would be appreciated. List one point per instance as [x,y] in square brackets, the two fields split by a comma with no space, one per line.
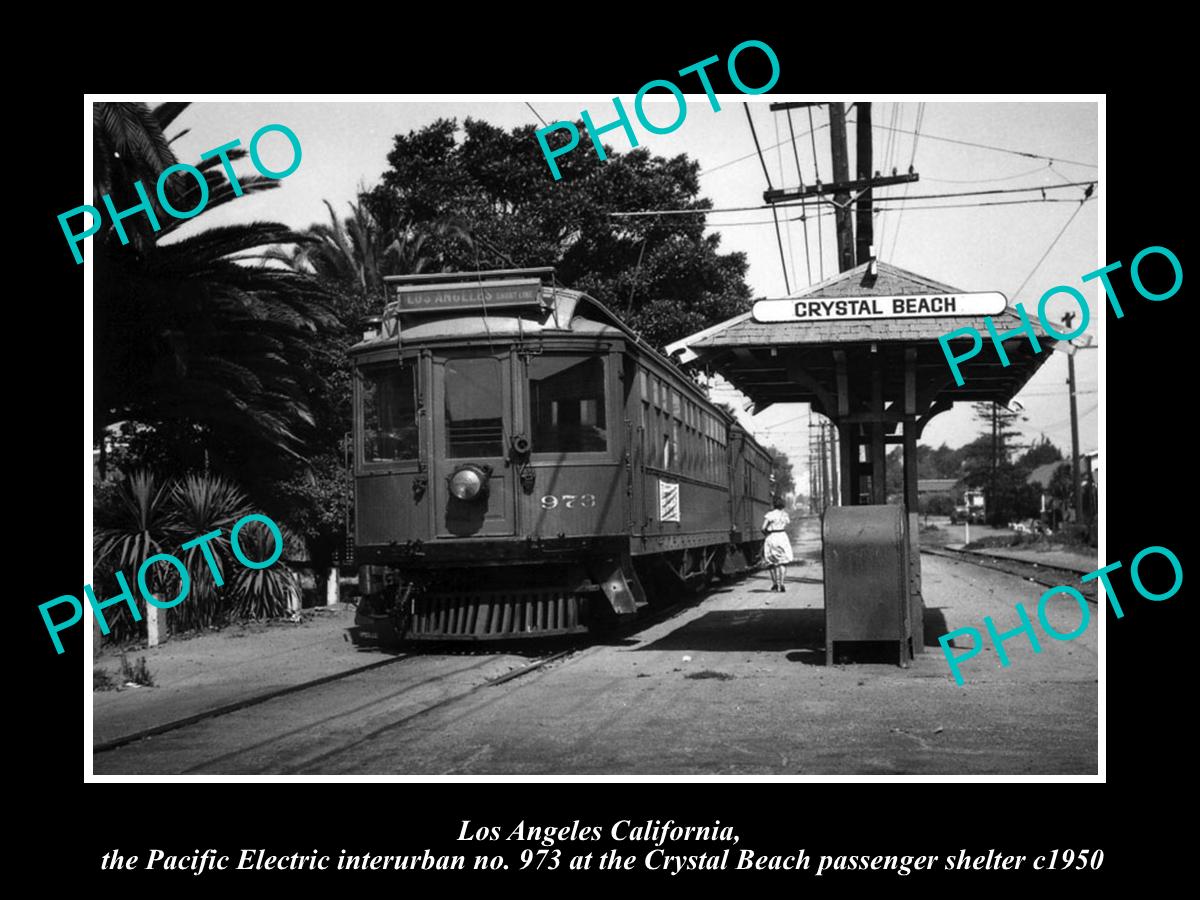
[974,248]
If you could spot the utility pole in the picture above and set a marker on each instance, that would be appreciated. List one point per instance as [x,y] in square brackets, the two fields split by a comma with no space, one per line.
[841,186]
[1076,493]
[841,174]
[866,228]
[991,498]
[820,468]
[812,468]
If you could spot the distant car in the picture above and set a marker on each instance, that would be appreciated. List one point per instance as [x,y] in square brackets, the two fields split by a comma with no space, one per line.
[972,509]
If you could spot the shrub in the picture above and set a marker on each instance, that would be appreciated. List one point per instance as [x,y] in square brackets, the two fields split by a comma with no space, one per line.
[142,516]
[262,593]
[937,505]
[201,504]
[102,681]
[131,524]
[137,674]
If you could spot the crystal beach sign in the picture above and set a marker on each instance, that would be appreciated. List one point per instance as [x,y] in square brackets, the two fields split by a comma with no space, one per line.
[989,303]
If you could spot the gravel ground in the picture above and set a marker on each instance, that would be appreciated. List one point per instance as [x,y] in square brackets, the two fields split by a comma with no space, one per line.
[734,684]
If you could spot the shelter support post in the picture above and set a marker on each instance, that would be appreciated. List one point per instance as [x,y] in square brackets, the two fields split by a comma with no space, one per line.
[911,502]
[878,447]
[916,599]
[847,444]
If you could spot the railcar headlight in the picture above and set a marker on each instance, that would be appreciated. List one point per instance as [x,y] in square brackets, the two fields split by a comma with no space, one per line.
[468,483]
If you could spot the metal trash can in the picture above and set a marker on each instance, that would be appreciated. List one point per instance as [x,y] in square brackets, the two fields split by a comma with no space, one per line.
[867,577]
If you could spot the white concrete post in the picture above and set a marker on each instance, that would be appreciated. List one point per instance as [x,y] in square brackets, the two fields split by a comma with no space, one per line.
[156,625]
[333,588]
[295,600]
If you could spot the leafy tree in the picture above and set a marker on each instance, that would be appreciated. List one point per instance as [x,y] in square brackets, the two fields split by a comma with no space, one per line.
[785,482]
[1061,486]
[944,462]
[661,273]
[937,505]
[987,464]
[1042,452]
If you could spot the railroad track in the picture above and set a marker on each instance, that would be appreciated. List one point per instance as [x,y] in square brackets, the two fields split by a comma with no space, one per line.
[1049,576]
[227,709]
[578,649]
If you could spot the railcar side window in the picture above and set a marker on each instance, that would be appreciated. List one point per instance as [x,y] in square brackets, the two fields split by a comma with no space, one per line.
[567,402]
[389,408]
[474,400]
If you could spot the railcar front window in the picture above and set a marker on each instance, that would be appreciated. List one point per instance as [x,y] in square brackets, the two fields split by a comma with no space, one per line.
[474,401]
[567,400]
[389,399]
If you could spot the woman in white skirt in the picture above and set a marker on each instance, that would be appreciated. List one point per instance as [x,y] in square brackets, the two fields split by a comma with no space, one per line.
[777,549]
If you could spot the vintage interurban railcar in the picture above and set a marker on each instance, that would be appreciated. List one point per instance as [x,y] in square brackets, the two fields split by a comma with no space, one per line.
[525,465]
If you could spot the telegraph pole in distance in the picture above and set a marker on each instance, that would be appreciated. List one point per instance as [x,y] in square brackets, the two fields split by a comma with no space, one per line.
[1076,493]
[824,469]
[834,484]
[813,469]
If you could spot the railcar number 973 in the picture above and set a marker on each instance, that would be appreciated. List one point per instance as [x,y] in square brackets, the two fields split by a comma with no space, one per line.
[570,501]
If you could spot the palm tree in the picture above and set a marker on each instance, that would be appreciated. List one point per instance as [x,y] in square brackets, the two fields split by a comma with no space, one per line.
[358,251]
[129,145]
[186,329]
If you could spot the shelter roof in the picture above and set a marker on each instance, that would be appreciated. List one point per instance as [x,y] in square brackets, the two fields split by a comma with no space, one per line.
[795,361]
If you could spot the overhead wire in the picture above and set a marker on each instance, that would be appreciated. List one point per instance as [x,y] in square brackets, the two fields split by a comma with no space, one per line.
[919,120]
[885,209]
[830,202]
[774,214]
[817,174]
[1038,264]
[1072,162]
[1032,171]
[536,113]
[739,159]
[803,205]
[787,228]
[888,157]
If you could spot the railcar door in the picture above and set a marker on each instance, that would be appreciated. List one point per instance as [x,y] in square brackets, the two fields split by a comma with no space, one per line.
[473,416]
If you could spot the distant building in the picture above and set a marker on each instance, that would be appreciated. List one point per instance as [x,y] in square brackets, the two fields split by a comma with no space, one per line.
[1044,474]
[927,486]
[1057,510]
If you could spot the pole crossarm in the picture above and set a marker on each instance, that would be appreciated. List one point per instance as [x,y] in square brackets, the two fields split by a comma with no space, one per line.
[779,195]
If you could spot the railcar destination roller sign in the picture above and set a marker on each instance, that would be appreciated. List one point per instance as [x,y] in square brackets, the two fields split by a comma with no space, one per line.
[989,303]
[468,295]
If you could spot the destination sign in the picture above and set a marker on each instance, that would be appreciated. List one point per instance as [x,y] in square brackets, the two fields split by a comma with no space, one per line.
[468,295]
[989,303]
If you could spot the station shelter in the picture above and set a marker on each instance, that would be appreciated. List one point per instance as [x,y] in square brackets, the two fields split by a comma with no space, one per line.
[873,365]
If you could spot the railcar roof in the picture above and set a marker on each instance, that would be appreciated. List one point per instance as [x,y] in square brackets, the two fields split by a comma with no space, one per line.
[563,311]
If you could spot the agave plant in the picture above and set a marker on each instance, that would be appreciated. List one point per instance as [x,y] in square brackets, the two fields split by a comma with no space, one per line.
[201,504]
[262,593]
[134,526]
